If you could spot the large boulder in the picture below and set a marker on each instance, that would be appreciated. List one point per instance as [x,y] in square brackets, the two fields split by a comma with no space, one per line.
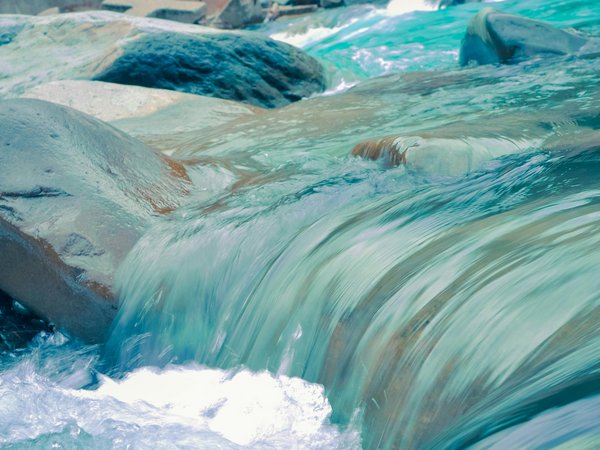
[123,49]
[139,111]
[75,195]
[494,37]
[246,68]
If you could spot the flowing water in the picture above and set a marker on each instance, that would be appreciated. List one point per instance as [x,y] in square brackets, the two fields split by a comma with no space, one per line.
[304,298]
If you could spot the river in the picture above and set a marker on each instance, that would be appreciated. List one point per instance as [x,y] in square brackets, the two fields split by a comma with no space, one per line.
[316,300]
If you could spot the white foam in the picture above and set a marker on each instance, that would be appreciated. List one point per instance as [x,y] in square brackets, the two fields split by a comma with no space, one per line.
[399,7]
[311,36]
[187,406]
[342,86]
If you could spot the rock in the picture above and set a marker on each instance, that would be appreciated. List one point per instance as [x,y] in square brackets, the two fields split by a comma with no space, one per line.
[17,326]
[332,3]
[237,14]
[385,149]
[245,68]
[493,37]
[295,10]
[75,195]
[189,11]
[436,154]
[117,48]
[34,7]
[141,111]
[50,11]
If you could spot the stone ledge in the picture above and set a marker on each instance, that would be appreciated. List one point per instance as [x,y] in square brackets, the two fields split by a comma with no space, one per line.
[187,11]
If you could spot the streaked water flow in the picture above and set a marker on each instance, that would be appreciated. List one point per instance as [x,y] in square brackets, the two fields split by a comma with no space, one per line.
[439,310]
[318,300]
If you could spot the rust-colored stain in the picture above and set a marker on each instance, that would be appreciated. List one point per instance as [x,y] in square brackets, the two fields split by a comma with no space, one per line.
[376,149]
[178,170]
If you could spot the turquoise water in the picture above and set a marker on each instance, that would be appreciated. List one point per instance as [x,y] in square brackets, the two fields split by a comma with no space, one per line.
[365,41]
[318,300]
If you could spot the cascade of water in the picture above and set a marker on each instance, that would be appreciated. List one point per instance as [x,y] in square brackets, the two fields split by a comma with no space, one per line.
[436,309]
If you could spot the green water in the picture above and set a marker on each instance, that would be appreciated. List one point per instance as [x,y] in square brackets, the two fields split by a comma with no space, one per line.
[371,41]
[440,303]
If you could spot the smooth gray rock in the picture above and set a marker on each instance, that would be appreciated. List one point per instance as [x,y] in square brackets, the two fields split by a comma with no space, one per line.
[155,53]
[75,195]
[139,111]
[494,37]
[37,6]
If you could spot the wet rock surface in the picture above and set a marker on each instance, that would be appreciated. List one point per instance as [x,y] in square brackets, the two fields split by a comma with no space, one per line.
[75,195]
[235,13]
[140,111]
[494,37]
[17,325]
[148,52]
[246,68]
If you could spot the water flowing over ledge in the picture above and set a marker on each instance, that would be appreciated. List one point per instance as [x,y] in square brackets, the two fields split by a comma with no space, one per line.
[408,260]
[425,299]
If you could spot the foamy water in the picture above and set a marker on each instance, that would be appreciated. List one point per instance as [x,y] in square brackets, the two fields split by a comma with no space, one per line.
[311,35]
[43,405]
[399,7]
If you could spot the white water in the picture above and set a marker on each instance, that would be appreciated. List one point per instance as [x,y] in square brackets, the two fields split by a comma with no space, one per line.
[187,406]
[310,36]
[399,7]
[306,37]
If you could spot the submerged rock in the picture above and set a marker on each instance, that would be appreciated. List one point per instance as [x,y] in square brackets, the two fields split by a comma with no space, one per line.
[113,47]
[494,37]
[440,154]
[75,195]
